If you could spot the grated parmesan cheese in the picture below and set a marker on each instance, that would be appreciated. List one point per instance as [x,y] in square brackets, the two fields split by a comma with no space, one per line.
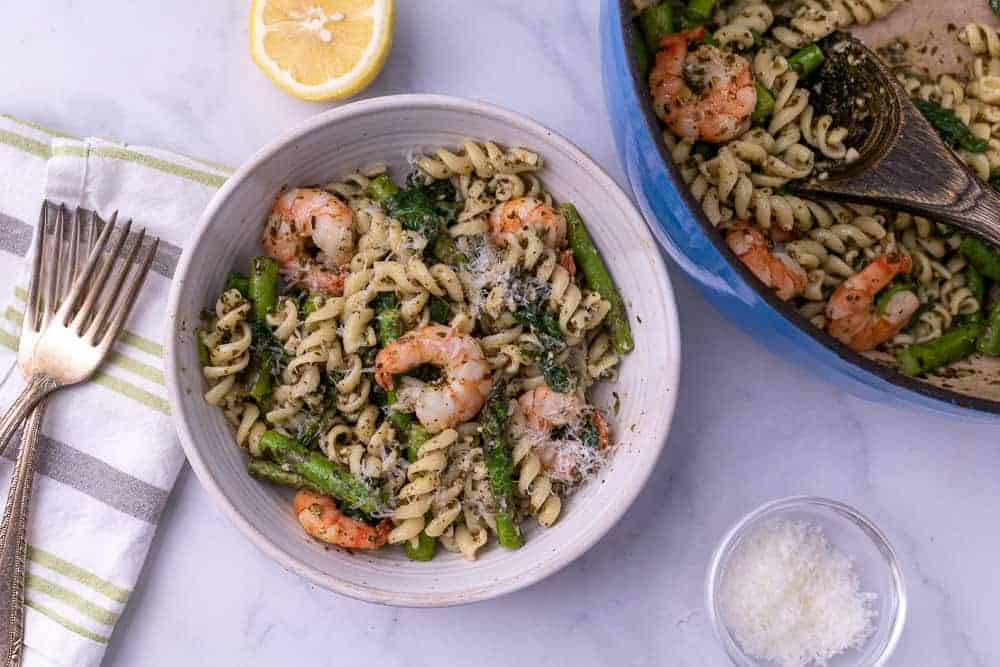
[789,597]
[484,269]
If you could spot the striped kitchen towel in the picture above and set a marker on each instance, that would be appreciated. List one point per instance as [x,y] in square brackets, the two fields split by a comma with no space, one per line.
[109,455]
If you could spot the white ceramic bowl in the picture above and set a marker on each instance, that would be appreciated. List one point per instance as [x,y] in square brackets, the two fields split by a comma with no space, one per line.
[386,129]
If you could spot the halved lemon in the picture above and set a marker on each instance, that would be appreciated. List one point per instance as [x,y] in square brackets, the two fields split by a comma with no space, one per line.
[321,49]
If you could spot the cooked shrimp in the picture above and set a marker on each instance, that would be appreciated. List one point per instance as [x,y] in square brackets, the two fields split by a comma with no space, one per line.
[308,214]
[851,318]
[515,216]
[707,95]
[466,383]
[774,269]
[567,261]
[544,409]
[322,519]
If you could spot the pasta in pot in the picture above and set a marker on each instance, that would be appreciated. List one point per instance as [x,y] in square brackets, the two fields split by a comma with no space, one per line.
[876,280]
[376,378]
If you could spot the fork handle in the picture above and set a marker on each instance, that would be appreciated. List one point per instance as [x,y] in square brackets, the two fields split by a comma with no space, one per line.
[14,544]
[38,388]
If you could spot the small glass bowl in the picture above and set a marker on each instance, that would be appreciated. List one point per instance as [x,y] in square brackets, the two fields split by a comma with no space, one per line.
[849,531]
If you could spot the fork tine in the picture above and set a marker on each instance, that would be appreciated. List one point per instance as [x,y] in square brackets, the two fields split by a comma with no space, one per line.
[35,286]
[107,306]
[83,281]
[96,289]
[128,302]
[74,253]
[93,231]
[62,278]
[54,268]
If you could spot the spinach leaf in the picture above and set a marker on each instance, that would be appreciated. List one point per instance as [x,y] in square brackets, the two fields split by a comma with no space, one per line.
[425,209]
[556,375]
[535,316]
[440,310]
[589,435]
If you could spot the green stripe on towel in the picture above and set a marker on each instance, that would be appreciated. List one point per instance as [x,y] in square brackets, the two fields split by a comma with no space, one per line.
[122,387]
[126,155]
[78,574]
[151,373]
[65,622]
[71,599]
[33,146]
[8,340]
[38,126]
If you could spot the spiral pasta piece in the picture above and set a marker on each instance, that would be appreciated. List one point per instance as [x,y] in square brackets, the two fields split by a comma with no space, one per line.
[534,485]
[228,345]
[417,495]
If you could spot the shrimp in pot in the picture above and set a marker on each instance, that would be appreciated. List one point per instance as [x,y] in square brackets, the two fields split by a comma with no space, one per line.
[458,396]
[853,317]
[512,218]
[322,519]
[307,215]
[775,269]
[544,409]
[708,94]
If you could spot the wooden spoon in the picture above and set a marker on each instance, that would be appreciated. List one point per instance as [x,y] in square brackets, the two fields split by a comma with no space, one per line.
[903,164]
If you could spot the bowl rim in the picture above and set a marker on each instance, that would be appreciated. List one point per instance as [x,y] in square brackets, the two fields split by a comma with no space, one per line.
[371,593]
[761,513]
[790,314]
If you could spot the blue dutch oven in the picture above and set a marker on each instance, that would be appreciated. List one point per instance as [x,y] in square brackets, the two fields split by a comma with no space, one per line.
[685,233]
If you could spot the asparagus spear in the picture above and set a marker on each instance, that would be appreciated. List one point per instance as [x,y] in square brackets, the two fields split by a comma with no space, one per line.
[598,278]
[268,471]
[204,358]
[239,282]
[263,286]
[977,285]
[500,468]
[426,545]
[806,60]
[416,436]
[390,327]
[642,55]
[989,340]
[424,549]
[328,476]
[765,104]
[381,188]
[982,256]
[260,390]
[655,22]
[957,344]
[699,11]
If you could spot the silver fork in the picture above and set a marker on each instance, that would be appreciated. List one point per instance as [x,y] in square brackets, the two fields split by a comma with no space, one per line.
[78,335]
[52,297]
[13,542]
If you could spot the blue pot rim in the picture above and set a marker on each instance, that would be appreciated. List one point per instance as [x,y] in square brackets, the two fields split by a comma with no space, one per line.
[622,19]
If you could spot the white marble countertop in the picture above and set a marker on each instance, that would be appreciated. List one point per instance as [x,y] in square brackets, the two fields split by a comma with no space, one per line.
[749,427]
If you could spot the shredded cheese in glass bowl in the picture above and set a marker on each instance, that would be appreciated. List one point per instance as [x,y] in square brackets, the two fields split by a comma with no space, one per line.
[808,582]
